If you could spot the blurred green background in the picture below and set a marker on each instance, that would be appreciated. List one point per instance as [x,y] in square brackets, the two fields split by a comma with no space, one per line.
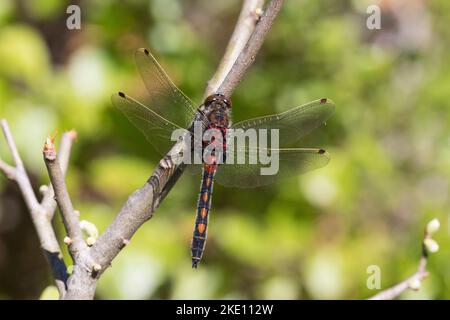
[309,237]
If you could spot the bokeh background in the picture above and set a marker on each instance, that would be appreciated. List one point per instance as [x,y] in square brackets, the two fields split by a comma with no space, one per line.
[308,237]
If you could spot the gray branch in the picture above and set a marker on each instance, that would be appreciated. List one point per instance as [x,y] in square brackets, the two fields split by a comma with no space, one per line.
[71,223]
[40,213]
[248,54]
[245,26]
[48,201]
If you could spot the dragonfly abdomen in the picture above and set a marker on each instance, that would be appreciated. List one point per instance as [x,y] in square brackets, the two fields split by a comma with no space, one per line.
[203,207]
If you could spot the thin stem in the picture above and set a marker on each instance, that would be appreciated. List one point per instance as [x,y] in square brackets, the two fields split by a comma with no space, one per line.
[70,218]
[48,202]
[20,174]
[248,55]
[43,225]
[419,275]
[11,144]
[245,26]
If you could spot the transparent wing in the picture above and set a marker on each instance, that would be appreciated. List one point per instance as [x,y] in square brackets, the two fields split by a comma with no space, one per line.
[291,162]
[155,128]
[164,97]
[292,124]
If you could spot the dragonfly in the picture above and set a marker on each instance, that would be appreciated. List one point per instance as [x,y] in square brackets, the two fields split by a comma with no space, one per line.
[169,109]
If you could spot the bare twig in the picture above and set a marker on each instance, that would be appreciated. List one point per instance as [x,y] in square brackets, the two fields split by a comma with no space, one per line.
[248,55]
[141,205]
[40,215]
[48,202]
[398,289]
[245,26]
[20,175]
[414,281]
[70,218]
[11,145]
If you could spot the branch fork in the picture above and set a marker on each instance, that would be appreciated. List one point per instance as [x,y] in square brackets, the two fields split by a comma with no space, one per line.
[41,212]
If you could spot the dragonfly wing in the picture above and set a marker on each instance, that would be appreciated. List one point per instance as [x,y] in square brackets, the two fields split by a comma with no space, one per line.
[294,123]
[164,97]
[291,162]
[155,128]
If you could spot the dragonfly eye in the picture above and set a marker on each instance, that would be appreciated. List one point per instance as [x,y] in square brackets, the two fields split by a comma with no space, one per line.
[210,99]
[228,103]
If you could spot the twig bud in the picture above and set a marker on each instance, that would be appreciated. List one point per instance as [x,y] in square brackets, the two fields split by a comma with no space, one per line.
[90,241]
[72,134]
[259,12]
[43,189]
[49,146]
[96,267]
[414,284]
[68,241]
[431,245]
[433,226]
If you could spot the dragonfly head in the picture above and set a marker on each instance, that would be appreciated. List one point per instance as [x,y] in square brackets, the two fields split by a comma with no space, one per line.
[217,99]
[218,109]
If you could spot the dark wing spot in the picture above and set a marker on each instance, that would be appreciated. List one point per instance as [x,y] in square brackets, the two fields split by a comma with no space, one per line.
[122,94]
[146,52]
[321,151]
[324,100]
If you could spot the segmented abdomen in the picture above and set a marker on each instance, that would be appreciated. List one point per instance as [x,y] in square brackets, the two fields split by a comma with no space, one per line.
[203,207]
